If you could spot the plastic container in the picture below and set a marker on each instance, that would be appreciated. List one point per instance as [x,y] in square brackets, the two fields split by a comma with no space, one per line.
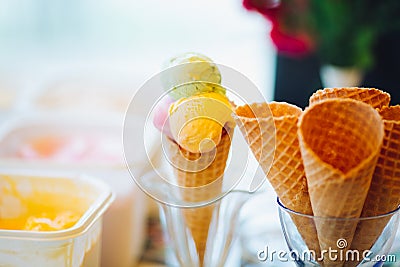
[94,149]
[75,246]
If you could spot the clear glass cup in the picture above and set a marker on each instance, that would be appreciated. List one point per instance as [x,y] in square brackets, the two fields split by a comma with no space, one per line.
[381,230]
[221,237]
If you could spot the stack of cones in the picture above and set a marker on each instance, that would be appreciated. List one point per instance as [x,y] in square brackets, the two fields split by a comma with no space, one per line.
[200,176]
[324,162]
[271,132]
[384,192]
[340,140]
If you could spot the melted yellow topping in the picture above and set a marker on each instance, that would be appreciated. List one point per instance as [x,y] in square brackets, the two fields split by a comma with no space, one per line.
[51,222]
[37,209]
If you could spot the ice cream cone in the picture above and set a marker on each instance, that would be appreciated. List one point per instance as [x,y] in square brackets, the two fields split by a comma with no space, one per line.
[200,176]
[384,193]
[286,174]
[376,98]
[340,141]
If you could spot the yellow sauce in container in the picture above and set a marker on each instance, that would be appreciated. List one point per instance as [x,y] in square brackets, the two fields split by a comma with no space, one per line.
[46,221]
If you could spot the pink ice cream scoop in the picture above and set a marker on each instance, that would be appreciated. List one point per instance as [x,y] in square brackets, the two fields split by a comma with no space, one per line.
[161,114]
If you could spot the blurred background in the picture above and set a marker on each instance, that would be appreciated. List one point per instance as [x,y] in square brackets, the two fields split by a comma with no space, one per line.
[127,41]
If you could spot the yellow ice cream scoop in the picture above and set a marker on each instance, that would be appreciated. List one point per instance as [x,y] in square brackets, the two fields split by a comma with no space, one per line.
[196,122]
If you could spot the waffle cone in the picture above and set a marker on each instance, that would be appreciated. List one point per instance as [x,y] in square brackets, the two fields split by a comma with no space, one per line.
[201,185]
[340,141]
[286,174]
[374,97]
[384,193]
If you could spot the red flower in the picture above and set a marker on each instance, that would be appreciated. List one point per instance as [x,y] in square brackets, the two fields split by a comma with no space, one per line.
[289,33]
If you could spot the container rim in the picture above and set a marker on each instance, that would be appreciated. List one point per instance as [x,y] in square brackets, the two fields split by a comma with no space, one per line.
[292,212]
[91,215]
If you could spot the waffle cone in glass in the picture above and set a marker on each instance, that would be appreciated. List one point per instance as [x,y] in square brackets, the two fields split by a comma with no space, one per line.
[286,174]
[384,193]
[200,175]
[340,141]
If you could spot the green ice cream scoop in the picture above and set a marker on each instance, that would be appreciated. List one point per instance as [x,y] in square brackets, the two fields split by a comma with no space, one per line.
[190,74]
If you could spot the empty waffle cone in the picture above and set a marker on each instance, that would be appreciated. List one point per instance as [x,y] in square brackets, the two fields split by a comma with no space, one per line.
[340,141]
[200,175]
[286,174]
[384,193]
[374,97]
